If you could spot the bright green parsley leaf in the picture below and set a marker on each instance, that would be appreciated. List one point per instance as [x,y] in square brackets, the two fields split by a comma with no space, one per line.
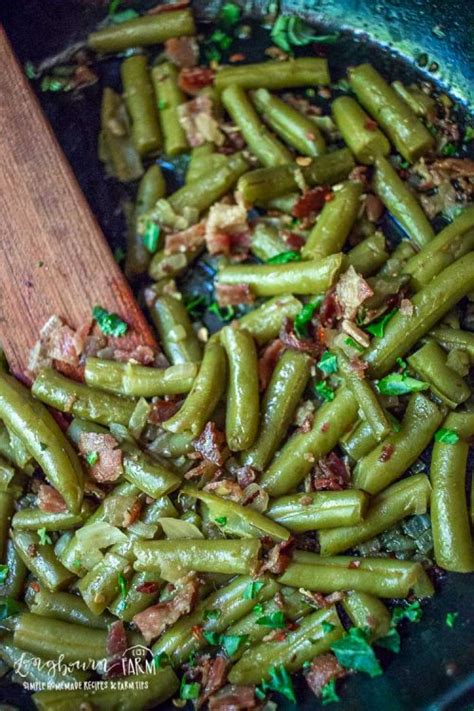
[257,609]
[446,436]
[377,328]
[303,318]
[124,16]
[324,391]
[122,582]
[231,643]
[402,364]
[31,72]
[211,614]
[221,39]
[3,573]
[354,652]
[55,84]
[411,612]
[328,363]
[400,384]
[260,693]
[329,693]
[390,641]
[229,14]
[226,313]
[221,520]
[189,691]
[468,133]
[151,236]
[252,590]
[44,539]
[285,257]
[327,627]
[92,458]
[404,164]
[196,305]
[192,658]
[349,341]
[161,660]
[276,620]
[451,618]
[110,324]
[292,31]
[449,149]
[280,681]
[213,638]
[8,607]
[162,104]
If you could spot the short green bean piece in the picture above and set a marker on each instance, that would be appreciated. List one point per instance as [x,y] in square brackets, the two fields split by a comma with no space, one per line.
[401,203]
[33,519]
[125,607]
[462,423]
[293,127]
[176,333]
[298,646]
[67,607]
[455,338]
[41,560]
[306,71]
[265,322]
[404,498]
[101,584]
[116,147]
[242,413]
[334,223]
[422,104]
[263,144]
[140,102]
[429,362]
[359,441]
[408,134]
[361,134]
[368,256]
[282,396]
[392,457]
[205,394]
[6,512]
[14,583]
[267,241]
[164,266]
[169,97]
[143,31]
[203,160]
[303,449]
[136,380]
[367,612]
[397,260]
[317,511]
[43,439]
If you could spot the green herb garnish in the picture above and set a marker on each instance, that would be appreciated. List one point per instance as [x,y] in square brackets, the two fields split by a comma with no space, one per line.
[324,391]
[122,582]
[221,39]
[377,328]
[411,612]
[275,620]
[211,614]
[231,643]
[328,363]
[162,104]
[446,436]
[390,641]
[221,520]
[189,691]
[329,693]
[113,6]
[451,618]
[304,316]
[354,652]
[279,681]
[110,324]
[195,305]
[400,384]
[257,609]
[8,607]
[151,236]
[213,638]
[327,627]
[468,133]
[290,31]
[44,539]
[124,16]
[252,590]
[449,149]
[31,72]
[161,660]
[225,313]
[285,257]
[55,84]
[229,14]
[3,574]
[349,341]
[92,458]
[402,364]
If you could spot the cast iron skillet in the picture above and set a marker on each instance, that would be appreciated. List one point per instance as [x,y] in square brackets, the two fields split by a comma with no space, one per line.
[435,669]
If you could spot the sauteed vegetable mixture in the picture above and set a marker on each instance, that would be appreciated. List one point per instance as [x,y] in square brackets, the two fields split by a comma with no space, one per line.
[276,495]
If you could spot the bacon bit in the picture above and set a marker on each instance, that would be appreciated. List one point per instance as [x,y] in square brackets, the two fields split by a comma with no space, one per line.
[155,619]
[354,564]
[406,307]
[329,197]
[116,643]
[234,294]
[227,229]
[133,513]
[370,125]
[292,240]
[268,361]
[360,174]
[278,558]
[192,80]
[199,125]
[355,332]
[351,292]
[109,464]
[246,475]
[238,57]
[213,677]
[291,340]
[311,201]
[330,310]
[325,427]
[162,410]
[305,500]
[186,240]
[57,341]
[50,500]
[358,366]
[32,550]
[35,586]
[204,469]
[233,698]
[84,76]
[307,423]
[374,208]
[196,631]
[149,588]
[386,453]
[331,474]
[211,445]
[458,167]
[227,489]
[144,355]
[168,7]
[275,636]
[182,51]
[324,669]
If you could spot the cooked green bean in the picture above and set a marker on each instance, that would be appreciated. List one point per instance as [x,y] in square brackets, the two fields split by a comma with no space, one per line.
[116,148]
[284,391]
[204,159]
[205,393]
[242,412]
[303,449]
[420,103]
[429,362]
[169,97]
[263,144]
[404,498]
[293,127]
[41,560]
[6,512]
[164,266]
[169,445]
[143,31]
[176,333]
[33,519]
[360,440]
[139,380]
[140,101]
[135,600]
[368,256]
[363,137]
[455,338]
[267,241]
[392,457]
[401,203]
[101,584]
[66,607]
[408,134]
[275,75]
[320,510]
[39,670]
[367,612]
[265,322]
[43,439]
[14,583]
[396,262]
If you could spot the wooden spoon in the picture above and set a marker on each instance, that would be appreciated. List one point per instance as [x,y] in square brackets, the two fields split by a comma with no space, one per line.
[54,258]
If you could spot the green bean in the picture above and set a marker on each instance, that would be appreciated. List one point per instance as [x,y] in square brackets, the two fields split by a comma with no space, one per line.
[367,612]
[298,646]
[176,333]
[205,393]
[101,584]
[420,103]
[293,127]
[303,449]
[455,338]
[407,133]
[79,400]
[232,602]
[392,457]
[285,203]
[152,187]
[400,256]
[265,322]
[169,445]
[320,510]
[365,140]
[43,439]
[68,608]
[360,440]
[142,31]
[334,223]
[164,266]
[174,557]
[14,451]
[429,362]
[404,498]
[14,583]
[38,670]
[41,560]
[282,397]
[242,407]
[312,277]
[135,601]
[267,241]
[452,242]
[140,102]
[401,203]
[116,148]
[6,512]
[368,256]
[430,305]
[462,423]
[275,74]
[33,519]
[204,159]
[169,97]
[139,380]
[367,398]
[264,184]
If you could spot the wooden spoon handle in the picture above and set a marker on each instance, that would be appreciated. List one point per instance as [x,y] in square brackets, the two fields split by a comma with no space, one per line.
[54,258]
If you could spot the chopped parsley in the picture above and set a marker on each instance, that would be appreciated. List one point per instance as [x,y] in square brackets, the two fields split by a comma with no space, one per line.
[211,615]
[377,328]
[189,691]
[110,324]
[3,574]
[252,590]
[402,364]
[221,520]
[221,39]
[226,313]
[324,391]
[195,305]
[327,627]
[55,84]
[229,14]
[400,384]
[161,660]
[451,618]
[92,458]
[303,318]
[31,73]
[354,652]
[290,31]
[349,341]
[449,149]
[44,539]
[8,607]
[279,681]
[411,612]
[329,693]
[119,255]
[124,16]
[390,641]
[285,257]
[151,236]
[276,620]
[113,6]
[213,638]
[257,609]
[328,363]
[162,104]
[122,582]
[230,643]
[446,436]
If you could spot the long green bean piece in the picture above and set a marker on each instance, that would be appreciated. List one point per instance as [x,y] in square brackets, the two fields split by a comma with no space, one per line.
[275,75]
[140,101]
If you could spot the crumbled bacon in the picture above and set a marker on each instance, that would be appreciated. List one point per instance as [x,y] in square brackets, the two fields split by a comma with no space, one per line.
[155,619]
[182,51]
[162,410]
[351,292]
[227,229]
[116,643]
[331,474]
[196,118]
[192,80]
[278,558]
[290,340]
[144,355]
[57,342]
[458,167]
[186,240]
[50,500]
[293,240]
[245,475]
[360,174]
[148,588]
[234,294]
[311,202]
[109,464]
[233,698]
[330,310]
[213,676]
[324,669]
[226,488]
[386,453]
[204,469]
[268,361]
[358,366]
[211,445]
